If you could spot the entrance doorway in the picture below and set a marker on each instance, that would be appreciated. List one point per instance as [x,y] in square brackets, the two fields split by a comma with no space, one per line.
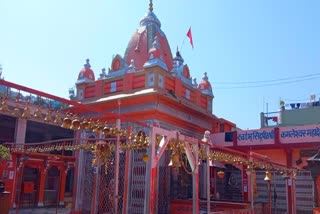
[29,187]
[51,188]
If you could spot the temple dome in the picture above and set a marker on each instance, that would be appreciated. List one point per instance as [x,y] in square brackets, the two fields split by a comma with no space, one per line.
[142,41]
[86,74]
[205,86]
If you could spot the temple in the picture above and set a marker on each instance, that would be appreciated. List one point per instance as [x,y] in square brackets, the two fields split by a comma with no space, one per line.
[142,137]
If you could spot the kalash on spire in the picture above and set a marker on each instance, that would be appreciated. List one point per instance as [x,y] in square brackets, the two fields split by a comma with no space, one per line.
[150,6]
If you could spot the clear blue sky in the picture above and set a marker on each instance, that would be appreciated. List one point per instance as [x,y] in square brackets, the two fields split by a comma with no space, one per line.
[44,44]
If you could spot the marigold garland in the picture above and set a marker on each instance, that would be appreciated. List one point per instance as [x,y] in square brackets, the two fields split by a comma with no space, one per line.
[4,153]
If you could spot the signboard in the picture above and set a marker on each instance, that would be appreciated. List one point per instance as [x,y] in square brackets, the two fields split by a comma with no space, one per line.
[300,134]
[255,137]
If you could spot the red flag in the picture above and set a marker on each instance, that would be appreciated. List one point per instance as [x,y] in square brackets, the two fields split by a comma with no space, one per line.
[189,34]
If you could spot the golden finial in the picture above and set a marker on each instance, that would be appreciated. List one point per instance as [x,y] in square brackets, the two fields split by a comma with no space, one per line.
[150,6]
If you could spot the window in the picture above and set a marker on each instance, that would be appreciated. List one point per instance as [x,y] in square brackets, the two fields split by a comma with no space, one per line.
[161,81]
[151,80]
[113,87]
[188,94]
[228,137]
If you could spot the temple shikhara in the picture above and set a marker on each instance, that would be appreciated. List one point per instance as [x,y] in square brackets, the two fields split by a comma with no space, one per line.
[141,137]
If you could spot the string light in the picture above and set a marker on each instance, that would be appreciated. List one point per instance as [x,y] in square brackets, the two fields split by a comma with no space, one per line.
[128,141]
[177,147]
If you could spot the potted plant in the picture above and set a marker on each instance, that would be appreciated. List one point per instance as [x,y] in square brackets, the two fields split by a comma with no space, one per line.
[282,105]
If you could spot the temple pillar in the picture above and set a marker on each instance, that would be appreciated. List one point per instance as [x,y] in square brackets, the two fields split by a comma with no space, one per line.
[63,177]
[291,202]
[79,175]
[19,138]
[195,182]
[18,182]
[42,182]
[245,184]
[151,171]
[126,182]
[291,206]
[203,182]
[20,131]
[117,160]
[95,194]
[17,176]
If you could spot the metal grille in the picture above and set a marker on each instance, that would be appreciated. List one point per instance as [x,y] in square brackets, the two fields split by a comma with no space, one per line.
[137,191]
[107,186]
[181,183]
[122,167]
[304,192]
[278,191]
[87,182]
[163,184]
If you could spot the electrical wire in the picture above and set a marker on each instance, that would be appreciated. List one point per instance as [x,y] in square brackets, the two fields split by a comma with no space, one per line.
[266,81]
[264,85]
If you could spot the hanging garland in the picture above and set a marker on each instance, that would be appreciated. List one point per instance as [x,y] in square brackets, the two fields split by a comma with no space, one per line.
[4,153]
[102,153]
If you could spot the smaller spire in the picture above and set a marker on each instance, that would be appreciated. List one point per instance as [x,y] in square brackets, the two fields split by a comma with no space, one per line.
[103,73]
[178,60]
[195,84]
[178,53]
[87,65]
[150,6]
[205,77]
[132,66]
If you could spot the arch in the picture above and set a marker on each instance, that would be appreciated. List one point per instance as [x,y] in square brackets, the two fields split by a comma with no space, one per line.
[186,71]
[117,63]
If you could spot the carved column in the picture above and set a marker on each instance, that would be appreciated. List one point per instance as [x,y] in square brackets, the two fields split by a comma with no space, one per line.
[19,138]
[42,183]
[17,181]
[63,177]
[79,175]
[20,131]
[195,181]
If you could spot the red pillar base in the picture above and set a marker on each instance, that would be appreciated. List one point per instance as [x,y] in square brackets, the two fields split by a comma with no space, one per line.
[75,212]
[316,210]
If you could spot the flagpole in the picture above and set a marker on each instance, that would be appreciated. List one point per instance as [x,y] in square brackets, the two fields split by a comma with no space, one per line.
[182,43]
[187,35]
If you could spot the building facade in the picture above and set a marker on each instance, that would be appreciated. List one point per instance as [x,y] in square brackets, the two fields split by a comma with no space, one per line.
[290,137]
[53,148]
